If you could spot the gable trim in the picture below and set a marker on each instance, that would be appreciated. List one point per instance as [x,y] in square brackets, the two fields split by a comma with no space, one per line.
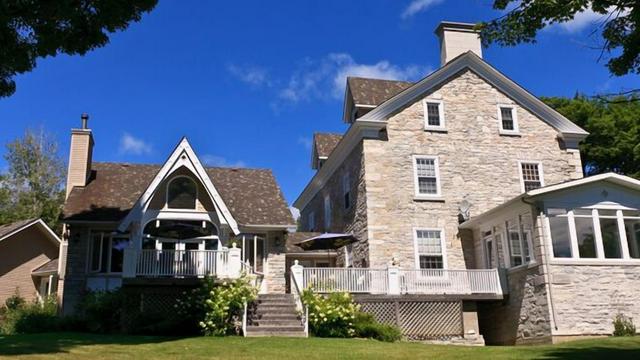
[471,61]
[47,230]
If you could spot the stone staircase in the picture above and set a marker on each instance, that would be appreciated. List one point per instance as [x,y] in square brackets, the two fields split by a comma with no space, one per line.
[274,315]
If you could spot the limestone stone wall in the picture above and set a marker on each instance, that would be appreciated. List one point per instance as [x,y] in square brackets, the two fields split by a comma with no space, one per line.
[476,162]
[347,220]
[587,298]
[276,263]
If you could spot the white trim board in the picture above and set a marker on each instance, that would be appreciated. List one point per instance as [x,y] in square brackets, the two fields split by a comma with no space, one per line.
[50,234]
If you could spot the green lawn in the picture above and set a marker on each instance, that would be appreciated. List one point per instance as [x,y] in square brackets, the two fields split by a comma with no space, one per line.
[83,346]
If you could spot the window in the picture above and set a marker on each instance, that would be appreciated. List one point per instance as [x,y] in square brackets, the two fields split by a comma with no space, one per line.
[507,119]
[610,234]
[585,234]
[429,249]
[632,230]
[346,190]
[561,239]
[426,176]
[327,212]
[520,241]
[531,175]
[181,193]
[488,249]
[311,221]
[107,252]
[433,115]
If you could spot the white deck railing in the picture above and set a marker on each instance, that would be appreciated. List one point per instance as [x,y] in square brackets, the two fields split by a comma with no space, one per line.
[181,263]
[353,280]
[399,281]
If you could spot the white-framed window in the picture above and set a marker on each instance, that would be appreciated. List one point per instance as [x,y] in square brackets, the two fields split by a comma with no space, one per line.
[519,241]
[182,193]
[430,249]
[327,212]
[311,221]
[346,190]
[488,249]
[426,176]
[433,114]
[508,119]
[594,233]
[531,175]
[106,252]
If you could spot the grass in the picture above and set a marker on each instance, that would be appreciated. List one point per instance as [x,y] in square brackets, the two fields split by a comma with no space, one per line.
[82,346]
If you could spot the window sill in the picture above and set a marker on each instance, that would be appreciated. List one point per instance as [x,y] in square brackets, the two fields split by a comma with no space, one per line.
[436,129]
[428,198]
[522,267]
[510,133]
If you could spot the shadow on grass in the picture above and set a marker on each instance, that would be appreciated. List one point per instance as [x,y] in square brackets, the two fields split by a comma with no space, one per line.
[593,353]
[60,343]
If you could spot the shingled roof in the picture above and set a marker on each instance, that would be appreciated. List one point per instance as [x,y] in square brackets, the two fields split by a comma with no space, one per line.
[251,195]
[325,143]
[374,91]
[7,229]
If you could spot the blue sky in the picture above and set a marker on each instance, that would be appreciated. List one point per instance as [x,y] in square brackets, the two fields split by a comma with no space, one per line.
[249,82]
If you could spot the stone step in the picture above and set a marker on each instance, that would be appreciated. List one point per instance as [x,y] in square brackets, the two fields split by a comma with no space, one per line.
[283,297]
[253,328]
[275,303]
[276,317]
[276,307]
[276,334]
[279,311]
[270,322]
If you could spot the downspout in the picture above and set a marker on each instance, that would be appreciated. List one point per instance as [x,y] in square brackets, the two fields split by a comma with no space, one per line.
[545,264]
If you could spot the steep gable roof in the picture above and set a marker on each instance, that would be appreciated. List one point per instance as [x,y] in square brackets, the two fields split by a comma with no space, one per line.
[325,143]
[252,195]
[366,91]
[11,229]
[567,129]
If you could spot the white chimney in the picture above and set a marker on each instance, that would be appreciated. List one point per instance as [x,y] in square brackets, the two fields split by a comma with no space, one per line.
[456,39]
[80,155]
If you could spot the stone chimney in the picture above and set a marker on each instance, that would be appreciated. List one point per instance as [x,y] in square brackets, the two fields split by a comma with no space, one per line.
[457,38]
[80,155]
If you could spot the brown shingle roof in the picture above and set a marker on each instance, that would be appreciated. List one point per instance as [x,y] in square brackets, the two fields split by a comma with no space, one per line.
[48,267]
[325,143]
[252,195]
[374,91]
[9,228]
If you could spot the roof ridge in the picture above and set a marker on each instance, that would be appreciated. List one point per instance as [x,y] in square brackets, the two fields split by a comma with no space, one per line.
[156,164]
[378,79]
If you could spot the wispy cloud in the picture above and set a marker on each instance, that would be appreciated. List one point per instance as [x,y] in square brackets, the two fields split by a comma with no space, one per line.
[135,146]
[250,74]
[586,19]
[417,6]
[305,141]
[295,213]
[219,161]
[326,78]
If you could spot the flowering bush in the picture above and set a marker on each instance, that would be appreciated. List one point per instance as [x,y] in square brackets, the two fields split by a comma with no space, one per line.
[331,316]
[219,306]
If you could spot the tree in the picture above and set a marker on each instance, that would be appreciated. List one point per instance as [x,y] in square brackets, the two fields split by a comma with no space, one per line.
[33,185]
[620,26]
[614,126]
[32,29]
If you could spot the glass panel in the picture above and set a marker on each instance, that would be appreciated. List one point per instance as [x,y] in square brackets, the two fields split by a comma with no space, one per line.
[586,237]
[429,242]
[433,114]
[610,238]
[631,213]
[426,167]
[607,212]
[181,194]
[489,250]
[516,250]
[430,262]
[117,253]
[507,118]
[582,212]
[211,244]
[632,228]
[560,237]
[427,185]
[105,254]
[96,243]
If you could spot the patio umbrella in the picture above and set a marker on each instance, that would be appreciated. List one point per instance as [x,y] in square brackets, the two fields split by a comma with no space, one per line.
[327,241]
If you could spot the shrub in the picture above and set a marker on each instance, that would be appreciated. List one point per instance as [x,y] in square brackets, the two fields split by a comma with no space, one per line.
[28,318]
[367,327]
[218,307]
[15,301]
[331,316]
[623,326]
[101,311]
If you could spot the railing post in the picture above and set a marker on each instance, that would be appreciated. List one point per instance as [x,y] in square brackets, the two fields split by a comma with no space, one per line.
[297,274]
[235,264]
[393,274]
[129,262]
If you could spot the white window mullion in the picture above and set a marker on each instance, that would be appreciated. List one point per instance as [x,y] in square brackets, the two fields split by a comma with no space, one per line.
[623,235]
[598,234]
[573,234]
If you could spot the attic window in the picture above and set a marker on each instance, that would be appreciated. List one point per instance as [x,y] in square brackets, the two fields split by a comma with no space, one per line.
[433,115]
[182,193]
[508,119]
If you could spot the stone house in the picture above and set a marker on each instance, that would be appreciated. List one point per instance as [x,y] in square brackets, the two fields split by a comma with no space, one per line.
[28,260]
[462,173]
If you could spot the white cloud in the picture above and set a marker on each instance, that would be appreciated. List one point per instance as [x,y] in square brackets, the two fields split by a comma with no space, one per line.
[327,77]
[132,145]
[586,19]
[295,213]
[219,161]
[305,141]
[250,74]
[417,6]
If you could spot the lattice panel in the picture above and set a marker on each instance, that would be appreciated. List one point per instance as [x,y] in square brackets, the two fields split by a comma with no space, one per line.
[419,320]
[158,303]
[423,320]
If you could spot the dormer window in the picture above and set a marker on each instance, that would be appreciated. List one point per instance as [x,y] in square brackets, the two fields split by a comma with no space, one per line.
[433,115]
[182,193]
[508,120]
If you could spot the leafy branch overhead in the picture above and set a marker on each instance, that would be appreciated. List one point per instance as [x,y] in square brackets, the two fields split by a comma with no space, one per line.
[619,23]
[32,29]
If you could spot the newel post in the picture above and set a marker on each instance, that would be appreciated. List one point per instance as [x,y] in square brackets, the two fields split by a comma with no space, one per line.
[393,276]
[235,264]
[296,274]
[129,262]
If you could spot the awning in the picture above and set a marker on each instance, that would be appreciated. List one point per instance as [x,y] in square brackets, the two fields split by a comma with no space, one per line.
[327,241]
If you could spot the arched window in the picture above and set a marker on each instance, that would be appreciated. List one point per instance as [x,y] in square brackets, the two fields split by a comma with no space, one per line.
[181,193]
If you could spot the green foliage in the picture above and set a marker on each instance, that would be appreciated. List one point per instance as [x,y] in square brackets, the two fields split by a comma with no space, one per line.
[623,326]
[332,315]
[32,187]
[218,307]
[101,311]
[614,126]
[620,28]
[36,29]
[367,327]
[15,301]
[25,318]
